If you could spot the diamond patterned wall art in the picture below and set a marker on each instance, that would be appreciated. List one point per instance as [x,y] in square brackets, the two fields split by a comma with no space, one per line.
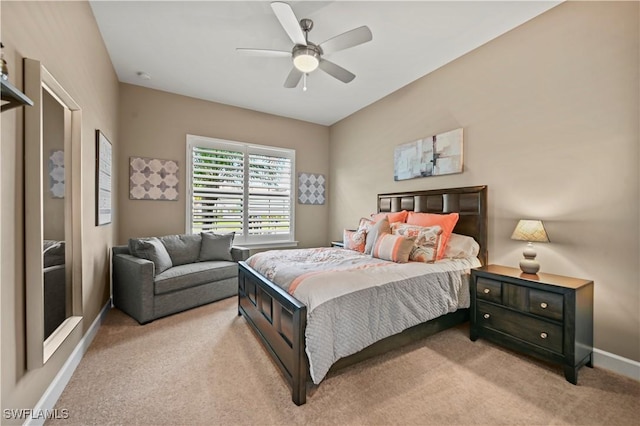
[56,174]
[153,179]
[311,188]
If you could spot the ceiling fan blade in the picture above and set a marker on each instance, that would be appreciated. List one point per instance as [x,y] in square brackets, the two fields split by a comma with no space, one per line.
[263,52]
[289,22]
[336,71]
[293,78]
[346,40]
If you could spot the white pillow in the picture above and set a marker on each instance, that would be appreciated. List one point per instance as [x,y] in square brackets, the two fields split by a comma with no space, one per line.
[461,246]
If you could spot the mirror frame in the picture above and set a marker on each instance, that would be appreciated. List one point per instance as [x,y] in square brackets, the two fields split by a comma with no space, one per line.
[37,79]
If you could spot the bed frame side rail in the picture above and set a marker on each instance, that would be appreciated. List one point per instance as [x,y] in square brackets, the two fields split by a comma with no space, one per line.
[279,320]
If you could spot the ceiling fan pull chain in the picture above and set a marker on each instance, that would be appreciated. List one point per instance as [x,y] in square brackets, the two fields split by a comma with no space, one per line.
[304,82]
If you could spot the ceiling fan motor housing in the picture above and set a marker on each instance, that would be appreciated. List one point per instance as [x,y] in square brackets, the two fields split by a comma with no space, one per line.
[306,24]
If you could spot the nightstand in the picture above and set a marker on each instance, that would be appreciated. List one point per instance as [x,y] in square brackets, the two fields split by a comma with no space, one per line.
[543,315]
[337,244]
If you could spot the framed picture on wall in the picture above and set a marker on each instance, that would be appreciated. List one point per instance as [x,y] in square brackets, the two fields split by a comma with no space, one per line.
[432,156]
[104,166]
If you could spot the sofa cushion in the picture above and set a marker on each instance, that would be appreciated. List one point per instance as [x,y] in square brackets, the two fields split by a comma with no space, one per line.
[151,249]
[183,248]
[193,274]
[216,246]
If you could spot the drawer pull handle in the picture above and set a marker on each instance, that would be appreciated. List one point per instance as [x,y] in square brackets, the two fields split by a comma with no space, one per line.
[486,316]
[487,291]
[543,335]
[543,305]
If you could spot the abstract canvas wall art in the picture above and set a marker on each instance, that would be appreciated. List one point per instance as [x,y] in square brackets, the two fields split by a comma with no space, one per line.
[311,188]
[432,156]
[153,179]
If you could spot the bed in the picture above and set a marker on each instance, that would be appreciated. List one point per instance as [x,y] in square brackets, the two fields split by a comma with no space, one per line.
[280,320]
[54,276]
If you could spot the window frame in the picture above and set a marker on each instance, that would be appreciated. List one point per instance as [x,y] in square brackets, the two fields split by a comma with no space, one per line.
[260,241]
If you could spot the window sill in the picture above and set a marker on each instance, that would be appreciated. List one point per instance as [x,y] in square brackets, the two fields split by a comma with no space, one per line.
[269,244]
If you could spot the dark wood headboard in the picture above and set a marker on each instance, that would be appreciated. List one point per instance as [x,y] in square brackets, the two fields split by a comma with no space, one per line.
[470,202]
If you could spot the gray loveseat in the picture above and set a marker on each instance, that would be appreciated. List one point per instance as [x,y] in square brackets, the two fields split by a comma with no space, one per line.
[154,277]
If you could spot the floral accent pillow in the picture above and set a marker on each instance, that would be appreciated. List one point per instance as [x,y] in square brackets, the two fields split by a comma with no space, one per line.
[355,240]
[427,240]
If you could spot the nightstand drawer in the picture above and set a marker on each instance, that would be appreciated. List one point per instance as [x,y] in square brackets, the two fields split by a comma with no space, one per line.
[546,304]
[489,290]
[538,332]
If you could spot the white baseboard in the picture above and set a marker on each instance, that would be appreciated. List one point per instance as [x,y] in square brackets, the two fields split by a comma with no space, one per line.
[53,392]
[616,363]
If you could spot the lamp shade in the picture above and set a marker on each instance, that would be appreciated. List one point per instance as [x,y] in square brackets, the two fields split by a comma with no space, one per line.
[530,230]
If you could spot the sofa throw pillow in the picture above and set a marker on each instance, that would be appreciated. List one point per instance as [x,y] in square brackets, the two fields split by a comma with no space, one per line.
[151,249]
[216,246]
[393,247]
[373,230]
[183,248]
[427,239]
[446,221]
[354,240]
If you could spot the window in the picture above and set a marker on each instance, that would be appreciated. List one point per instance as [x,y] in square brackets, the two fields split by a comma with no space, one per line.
[239,187]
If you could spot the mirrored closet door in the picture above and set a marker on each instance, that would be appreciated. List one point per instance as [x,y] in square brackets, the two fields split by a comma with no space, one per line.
[52,173]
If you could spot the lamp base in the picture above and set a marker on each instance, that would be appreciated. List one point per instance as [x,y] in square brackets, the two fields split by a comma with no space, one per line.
[529,266]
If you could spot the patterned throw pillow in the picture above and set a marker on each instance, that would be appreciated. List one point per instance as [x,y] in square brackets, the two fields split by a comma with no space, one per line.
[427,239]
[393,247]
[446,221]
[354,240]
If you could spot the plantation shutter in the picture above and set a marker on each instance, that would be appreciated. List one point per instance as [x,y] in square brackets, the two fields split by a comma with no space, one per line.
[269,196]
[218,190]
[241,188]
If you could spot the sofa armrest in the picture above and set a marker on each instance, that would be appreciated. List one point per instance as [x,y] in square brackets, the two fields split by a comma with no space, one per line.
[133,286]
[240,253]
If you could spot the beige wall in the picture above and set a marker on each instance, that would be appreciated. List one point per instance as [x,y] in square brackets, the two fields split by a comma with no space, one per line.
[65,38]
[155,124]
[551,120]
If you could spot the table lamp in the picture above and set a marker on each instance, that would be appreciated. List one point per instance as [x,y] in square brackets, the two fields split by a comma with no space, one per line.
[530,231]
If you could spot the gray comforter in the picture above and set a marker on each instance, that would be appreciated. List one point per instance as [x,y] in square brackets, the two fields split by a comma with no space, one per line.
[354,303]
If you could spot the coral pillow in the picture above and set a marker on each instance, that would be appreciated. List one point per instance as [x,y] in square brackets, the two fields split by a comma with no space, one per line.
[354,240]
[393,247]
[393,217]
[446,221]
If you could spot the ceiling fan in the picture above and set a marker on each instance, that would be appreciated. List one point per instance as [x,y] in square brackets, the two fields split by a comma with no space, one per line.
[308,56]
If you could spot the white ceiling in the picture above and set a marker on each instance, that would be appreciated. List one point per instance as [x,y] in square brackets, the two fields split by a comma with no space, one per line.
[188,48]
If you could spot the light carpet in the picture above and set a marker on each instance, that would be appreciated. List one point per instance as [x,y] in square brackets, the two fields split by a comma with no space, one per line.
[206,367]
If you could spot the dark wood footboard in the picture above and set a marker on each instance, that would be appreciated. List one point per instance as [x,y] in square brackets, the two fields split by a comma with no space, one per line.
[279,320]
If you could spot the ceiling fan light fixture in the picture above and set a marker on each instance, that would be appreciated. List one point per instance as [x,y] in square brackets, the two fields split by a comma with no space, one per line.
[306,59]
